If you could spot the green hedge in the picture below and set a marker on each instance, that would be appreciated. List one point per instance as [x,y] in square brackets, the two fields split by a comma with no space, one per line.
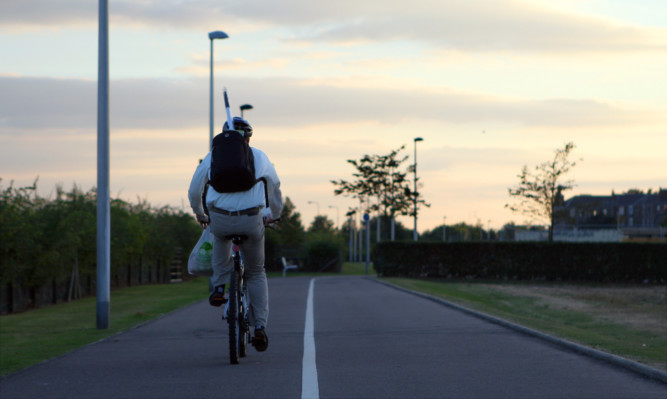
[323,252]
[48,245]
[590,262]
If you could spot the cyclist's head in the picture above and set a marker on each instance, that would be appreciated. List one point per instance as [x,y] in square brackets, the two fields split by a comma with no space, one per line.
[240,125]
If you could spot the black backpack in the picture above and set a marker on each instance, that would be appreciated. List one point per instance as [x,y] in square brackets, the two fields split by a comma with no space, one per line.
[232,163]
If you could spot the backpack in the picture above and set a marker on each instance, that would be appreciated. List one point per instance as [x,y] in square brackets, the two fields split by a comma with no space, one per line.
[232,163]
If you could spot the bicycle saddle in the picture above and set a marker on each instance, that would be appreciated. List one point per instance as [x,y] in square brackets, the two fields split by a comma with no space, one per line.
[236,237]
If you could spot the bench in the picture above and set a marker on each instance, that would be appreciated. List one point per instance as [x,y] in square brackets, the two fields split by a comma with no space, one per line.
[287,267]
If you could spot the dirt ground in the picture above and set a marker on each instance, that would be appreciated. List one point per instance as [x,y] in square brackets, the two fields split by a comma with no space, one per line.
[641,307]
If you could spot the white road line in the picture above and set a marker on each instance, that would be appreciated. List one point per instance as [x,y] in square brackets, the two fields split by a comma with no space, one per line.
[309,386]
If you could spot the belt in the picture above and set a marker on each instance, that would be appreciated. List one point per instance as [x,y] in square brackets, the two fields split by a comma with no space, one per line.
[247,212]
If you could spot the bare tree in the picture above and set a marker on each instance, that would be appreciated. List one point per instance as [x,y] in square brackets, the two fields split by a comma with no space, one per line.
[539,190]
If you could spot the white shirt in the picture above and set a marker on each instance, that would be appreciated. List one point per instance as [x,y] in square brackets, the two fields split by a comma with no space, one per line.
[241,200]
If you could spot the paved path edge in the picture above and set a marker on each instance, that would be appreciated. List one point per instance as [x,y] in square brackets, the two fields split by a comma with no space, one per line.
[639,368]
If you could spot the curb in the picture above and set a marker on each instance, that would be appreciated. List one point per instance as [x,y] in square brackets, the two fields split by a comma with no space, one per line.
[641,369]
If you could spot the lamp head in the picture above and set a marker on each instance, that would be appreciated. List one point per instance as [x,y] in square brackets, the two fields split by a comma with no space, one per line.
[218,34]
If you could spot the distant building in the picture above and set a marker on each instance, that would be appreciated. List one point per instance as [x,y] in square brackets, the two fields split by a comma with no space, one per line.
[635,214]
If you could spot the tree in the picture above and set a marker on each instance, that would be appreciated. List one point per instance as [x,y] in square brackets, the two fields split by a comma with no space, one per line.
[290,227]
[541,190]
[47,246]
[379,177]
[286,240]
[322,224]
[325,246]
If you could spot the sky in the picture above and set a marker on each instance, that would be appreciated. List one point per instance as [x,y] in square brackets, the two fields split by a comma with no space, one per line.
[490,85]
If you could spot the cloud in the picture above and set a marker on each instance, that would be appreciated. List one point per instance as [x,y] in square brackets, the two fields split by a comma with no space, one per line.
[41,14]
[436,159]
[493,26]
[37,103]
[47,103]
[482,25]
[153,104]
[200,65]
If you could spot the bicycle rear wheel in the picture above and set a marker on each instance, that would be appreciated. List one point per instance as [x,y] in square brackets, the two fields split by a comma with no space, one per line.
[233,317]
[243,320]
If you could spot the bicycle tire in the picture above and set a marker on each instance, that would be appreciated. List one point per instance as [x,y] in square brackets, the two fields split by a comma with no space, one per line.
[242,322]
[232,318]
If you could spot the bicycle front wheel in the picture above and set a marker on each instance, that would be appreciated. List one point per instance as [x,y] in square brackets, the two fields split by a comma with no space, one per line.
[233,317]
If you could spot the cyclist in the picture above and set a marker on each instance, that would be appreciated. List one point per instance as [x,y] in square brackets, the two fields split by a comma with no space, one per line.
[240,213]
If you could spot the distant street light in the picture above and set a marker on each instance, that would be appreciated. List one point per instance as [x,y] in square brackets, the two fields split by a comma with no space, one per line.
[444,229]
[212,36]
[337,215]
[318,206]
[245,107]
[414,232]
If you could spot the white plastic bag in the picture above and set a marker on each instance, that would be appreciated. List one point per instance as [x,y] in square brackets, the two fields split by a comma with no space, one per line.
[200,261]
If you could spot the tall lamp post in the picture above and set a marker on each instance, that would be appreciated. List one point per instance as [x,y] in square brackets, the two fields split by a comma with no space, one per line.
[245,107]
[316,204]
[337,214]
[103,206]
[212,36]
[414,232]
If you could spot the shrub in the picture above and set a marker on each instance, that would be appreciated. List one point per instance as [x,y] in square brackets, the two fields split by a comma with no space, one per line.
[591,262]
[323,252]
[47,246]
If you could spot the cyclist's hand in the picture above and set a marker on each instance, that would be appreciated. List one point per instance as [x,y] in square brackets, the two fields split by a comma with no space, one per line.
[269,222]
[203,220]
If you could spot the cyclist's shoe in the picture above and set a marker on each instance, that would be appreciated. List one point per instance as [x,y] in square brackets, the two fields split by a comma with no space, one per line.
[217,297]
[260,341]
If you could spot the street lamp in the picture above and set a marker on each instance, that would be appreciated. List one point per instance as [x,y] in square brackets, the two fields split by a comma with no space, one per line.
[245,107]
[337,215]
[318,206]
[414,232]
[103,208]
[212,36]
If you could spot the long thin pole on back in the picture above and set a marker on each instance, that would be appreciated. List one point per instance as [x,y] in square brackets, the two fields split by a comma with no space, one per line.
[230,120]
[210,111]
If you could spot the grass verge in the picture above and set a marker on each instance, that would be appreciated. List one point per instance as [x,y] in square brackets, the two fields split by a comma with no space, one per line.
[567,312]
[357,269]
[40,334]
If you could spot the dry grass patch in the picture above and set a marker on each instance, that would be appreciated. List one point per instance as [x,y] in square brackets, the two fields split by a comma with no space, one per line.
[638,307]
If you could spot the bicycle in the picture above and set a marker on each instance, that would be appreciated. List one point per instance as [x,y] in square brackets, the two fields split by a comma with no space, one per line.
[236,309]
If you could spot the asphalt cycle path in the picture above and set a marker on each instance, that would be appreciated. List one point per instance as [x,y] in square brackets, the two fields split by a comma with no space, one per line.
[330,337]
[183,355]
[378,342]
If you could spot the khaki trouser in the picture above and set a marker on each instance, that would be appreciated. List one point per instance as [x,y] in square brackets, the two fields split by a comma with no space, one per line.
[252,251]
